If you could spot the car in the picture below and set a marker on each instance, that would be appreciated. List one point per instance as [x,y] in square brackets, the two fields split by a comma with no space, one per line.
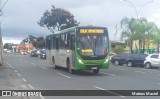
[43,55]
[111,55]
[131,59]
[23,52]
[34,53]
[152,60]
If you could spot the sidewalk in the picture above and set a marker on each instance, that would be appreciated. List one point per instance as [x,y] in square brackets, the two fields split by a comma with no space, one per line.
[4,79]
[10,81]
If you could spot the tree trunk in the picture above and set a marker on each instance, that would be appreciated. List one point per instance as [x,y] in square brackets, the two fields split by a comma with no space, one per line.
[144,43]
[131,43]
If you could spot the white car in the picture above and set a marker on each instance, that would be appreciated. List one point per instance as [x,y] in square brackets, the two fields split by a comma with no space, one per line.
[152,60]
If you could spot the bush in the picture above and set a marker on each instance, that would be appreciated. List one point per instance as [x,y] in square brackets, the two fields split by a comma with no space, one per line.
[118,49]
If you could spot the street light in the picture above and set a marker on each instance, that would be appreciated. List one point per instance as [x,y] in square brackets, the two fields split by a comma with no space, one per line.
[138,11]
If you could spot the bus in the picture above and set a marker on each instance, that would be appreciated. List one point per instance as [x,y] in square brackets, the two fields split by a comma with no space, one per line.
[79,48]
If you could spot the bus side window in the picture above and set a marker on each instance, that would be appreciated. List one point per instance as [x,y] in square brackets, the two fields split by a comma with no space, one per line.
[57,43]
[72,42]
[49,44]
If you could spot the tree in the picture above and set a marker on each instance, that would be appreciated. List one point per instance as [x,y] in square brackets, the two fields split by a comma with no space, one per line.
[118,49]
[8,46]
[128,31]
[138,29]
[38,42]
[57,19]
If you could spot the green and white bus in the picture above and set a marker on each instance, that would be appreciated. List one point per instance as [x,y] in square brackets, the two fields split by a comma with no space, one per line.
[79,48]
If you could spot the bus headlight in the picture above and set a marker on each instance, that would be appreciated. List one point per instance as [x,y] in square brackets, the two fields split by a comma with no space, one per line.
[80,61]
[106,61]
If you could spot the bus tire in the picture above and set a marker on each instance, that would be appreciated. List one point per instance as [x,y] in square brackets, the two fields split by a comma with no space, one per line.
[54,63]
[69,67]
[96,71]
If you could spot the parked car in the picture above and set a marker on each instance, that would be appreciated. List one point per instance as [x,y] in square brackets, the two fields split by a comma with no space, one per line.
[43,55]
[34,53]
[152,60]
[131,59]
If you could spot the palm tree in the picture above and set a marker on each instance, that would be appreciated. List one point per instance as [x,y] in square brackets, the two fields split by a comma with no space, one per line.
[141,30]
[151,34]
[128,31]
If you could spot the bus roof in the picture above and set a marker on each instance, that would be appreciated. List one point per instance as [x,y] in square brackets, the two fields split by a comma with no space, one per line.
[73,29]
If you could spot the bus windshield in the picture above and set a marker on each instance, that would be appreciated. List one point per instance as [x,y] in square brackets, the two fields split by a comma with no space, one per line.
[92,45]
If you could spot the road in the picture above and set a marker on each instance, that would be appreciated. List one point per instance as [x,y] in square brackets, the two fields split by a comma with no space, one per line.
[37,74]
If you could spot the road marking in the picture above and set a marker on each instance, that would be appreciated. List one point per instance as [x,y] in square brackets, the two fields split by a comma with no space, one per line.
[99,88]
[158,83]
[30,86]
[16,71]
[108,74]
[108,91]
[33,64]
[24,79]
[10,66]
[64,75]
[44,67]
[19,74]
[140,72]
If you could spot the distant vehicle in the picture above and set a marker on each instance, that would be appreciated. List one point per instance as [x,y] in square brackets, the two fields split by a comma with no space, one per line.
[8,51]
[79,48]
[23,52]
[43,55]
[111,55]
[131,59]
[34,53]
[152,60]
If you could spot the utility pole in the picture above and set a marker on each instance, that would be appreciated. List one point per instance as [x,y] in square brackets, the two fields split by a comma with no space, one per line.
[1,43]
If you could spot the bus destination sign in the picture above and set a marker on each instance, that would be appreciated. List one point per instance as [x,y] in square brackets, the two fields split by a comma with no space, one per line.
[86,31]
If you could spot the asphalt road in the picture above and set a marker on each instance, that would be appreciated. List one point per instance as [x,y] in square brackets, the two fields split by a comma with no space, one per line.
[40,75]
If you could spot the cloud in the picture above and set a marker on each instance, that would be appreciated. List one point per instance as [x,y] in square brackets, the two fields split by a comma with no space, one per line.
[24,14]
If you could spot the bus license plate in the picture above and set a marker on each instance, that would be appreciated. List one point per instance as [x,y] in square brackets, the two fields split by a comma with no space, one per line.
[94,67]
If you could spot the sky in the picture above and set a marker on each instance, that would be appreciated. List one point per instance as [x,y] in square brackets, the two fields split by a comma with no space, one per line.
[20,17]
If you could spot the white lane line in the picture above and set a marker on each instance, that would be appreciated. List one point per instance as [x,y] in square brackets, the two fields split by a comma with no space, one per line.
[24,79]
[99,87]
[140,72]
[42,97]
[158,83]
[10,65]
[108,91]
[44,67]
[16,71]
[30,86]
[19,74]
[33,64]
[108,74]
[64,75]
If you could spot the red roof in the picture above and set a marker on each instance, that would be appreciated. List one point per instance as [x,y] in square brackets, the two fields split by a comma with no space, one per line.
[24,46]
[30,46]
[21,46]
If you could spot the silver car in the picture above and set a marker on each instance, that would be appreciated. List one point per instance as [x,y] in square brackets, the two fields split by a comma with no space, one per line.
[152,60]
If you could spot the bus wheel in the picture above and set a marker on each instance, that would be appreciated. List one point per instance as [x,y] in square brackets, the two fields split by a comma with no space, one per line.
[96,71]
[54,64]
[69,67]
